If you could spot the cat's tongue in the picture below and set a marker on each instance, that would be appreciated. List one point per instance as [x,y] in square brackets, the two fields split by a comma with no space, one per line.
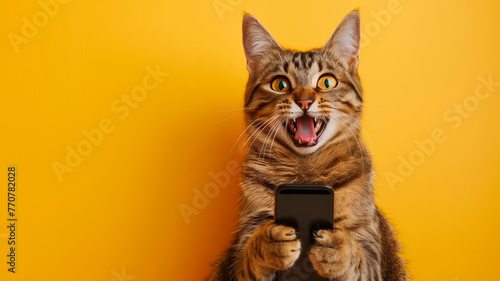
[305,129]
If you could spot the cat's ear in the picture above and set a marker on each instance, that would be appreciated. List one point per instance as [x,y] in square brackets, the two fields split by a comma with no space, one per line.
[343,46]
[257,42]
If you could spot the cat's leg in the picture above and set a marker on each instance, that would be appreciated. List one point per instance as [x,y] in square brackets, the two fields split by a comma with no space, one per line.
[271,247]
[338,255]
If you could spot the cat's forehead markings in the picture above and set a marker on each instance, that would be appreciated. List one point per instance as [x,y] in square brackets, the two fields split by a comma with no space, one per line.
[309,59]
[320,65]
[286,66]
[296,60]
[307,70]
[302,60]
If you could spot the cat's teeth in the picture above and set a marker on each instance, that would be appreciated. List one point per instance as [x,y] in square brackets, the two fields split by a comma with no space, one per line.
[318,125]
[294,120]
[292,126]
[314,119]
[300,141]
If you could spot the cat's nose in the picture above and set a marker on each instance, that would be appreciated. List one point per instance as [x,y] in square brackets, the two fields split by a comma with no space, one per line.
[304,97]
[304,103]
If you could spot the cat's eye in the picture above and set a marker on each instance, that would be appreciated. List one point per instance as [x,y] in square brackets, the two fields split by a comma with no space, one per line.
[327,82]
[280,84]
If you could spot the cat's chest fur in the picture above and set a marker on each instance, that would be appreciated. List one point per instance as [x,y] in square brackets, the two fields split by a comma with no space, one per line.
[321,169]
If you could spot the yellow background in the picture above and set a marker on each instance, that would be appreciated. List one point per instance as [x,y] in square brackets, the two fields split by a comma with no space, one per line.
[118,210]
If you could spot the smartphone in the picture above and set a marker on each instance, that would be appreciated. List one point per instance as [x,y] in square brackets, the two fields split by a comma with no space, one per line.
[307,208]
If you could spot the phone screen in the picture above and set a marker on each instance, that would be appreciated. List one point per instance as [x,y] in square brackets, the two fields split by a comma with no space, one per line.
[307,208]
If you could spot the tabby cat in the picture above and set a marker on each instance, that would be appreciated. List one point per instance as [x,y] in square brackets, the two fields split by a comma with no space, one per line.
[303,112]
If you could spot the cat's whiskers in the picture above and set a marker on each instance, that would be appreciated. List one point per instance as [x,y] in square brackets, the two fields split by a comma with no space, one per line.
[345,136]
[371,106]
[372,119]
[357,141]
[232,115]
[269,121]
[237,109]
[236,142]
[276,133]
[356,121]
[363,131]
[268,137]
[227,118]
[260,126]
[264,144]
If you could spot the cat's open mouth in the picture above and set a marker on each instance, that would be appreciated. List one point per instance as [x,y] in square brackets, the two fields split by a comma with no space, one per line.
[305,130]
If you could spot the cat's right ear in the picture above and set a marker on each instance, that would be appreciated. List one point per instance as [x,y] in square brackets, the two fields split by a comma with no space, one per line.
[257,42]
[345,41]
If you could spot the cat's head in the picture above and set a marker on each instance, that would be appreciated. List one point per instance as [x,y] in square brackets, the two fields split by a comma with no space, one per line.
[302,100]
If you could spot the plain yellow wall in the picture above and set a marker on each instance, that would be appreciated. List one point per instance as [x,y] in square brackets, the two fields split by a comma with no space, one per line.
[114,211]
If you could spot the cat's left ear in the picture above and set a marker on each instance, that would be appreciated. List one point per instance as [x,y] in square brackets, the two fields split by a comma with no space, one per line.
[343,46]
[257,42]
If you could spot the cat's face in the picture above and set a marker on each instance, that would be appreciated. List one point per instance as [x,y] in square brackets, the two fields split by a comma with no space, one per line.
[302,100]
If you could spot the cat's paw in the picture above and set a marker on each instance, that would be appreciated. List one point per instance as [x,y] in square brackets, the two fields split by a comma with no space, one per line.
[278,245]
[331,255]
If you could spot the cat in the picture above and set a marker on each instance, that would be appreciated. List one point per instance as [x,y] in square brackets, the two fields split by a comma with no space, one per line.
[303,112]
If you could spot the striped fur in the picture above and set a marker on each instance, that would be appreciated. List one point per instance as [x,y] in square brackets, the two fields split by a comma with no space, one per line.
[363,245]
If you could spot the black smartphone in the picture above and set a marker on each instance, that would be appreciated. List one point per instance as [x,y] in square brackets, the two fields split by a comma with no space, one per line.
[307,208]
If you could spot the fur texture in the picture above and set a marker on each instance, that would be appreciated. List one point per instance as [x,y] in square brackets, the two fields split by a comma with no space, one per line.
[363,245]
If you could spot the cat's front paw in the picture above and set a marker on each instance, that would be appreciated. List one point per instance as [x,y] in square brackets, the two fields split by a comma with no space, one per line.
[331,255]
[278,245]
